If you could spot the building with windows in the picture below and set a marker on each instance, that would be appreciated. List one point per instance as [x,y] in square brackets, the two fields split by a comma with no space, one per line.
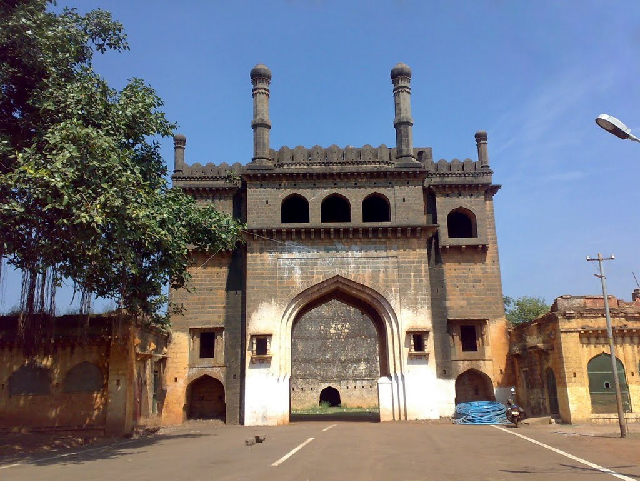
[563,364]
[369,278]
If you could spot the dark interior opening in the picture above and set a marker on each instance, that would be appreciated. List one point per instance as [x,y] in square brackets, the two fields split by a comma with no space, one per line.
[468,338]
[207,345]
[261,346]
[460,225]
[330,395]
[418,343]
[294,210]
[335,209]
[375,208]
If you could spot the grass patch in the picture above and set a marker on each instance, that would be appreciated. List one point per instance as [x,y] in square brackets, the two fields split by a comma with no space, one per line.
[326,409]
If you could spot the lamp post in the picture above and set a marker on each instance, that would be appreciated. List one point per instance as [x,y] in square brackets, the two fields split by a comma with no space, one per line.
[615,127]
[612,347]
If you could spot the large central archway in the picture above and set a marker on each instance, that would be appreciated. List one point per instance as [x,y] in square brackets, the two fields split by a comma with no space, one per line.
[340,343]
[344,335]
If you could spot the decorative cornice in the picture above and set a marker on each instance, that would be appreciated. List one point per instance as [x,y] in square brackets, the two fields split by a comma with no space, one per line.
[315,233]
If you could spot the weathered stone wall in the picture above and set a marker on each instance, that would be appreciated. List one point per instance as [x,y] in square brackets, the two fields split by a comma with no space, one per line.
[406,200]
[216,301]
[472,285]
[336,345]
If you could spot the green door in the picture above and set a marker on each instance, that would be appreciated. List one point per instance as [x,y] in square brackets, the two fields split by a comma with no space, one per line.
[552,392]
[601,386]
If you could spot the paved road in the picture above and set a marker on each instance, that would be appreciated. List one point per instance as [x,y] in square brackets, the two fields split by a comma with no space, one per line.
[340,450]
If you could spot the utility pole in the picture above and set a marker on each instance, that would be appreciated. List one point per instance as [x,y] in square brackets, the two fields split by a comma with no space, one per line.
[612,347]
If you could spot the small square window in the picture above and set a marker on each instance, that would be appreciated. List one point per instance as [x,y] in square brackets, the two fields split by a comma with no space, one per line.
[206,346]
[260,346]
[417,339]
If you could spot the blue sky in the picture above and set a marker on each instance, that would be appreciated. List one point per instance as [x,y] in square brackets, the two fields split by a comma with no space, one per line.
[534,74]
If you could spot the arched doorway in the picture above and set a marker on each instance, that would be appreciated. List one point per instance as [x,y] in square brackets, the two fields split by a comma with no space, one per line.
[205,399]
[552,392]
[473,385]
[602,388]
[337,340]
[330,396]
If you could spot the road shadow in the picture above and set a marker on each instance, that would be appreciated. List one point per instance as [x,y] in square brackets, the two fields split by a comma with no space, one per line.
[354,417]
[106,448]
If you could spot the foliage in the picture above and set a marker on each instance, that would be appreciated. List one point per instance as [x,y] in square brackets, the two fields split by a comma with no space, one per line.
[83,189]
[524,309]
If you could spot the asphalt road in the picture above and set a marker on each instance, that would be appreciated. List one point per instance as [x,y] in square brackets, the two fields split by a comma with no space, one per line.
[353,451]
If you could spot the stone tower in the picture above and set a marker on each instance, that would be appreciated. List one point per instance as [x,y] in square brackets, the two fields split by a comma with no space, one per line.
[370,277]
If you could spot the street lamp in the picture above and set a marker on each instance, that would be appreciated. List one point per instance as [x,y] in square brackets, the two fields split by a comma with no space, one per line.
[615,127]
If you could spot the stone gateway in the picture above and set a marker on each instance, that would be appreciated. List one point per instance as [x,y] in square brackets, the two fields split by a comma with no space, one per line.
[369,278]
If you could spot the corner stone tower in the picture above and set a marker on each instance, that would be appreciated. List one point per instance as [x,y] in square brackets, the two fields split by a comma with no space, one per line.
[369,278]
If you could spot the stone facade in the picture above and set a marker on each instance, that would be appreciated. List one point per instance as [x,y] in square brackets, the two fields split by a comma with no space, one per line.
[387,259]
[105,375]
[563,364]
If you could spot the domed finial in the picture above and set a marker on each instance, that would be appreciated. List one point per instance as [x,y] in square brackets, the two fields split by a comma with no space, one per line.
[260,71]
[400,70]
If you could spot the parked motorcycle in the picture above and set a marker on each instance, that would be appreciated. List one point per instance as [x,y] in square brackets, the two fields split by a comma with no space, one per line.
[515,413]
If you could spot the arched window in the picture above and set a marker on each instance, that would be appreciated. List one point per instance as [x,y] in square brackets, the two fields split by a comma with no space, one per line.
[294,210]
[461,224]
[30,380]
[83,377]
[375,208]
[335,208]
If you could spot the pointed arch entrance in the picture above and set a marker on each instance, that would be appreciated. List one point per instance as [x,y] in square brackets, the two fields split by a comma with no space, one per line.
[473,385]
[344,335]
[205,399]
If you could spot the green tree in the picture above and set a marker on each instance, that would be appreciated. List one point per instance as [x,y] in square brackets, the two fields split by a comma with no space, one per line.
[524,309]
[83,189]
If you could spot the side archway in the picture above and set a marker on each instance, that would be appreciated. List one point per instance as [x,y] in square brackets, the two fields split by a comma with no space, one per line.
[206,399]
[474,385]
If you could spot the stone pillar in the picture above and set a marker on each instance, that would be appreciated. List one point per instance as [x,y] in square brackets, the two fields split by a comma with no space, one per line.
[403,123]
[120,402]
[179,143]
[481,144]
[260,79]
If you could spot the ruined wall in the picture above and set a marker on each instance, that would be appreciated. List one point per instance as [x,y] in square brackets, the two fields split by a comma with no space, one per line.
[336,345]
[565,340]
[40,397]
[102,374]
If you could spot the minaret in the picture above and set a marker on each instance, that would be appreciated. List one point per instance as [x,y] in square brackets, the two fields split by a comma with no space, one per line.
[481,143]
[179,143]
[260,79]
[403,123]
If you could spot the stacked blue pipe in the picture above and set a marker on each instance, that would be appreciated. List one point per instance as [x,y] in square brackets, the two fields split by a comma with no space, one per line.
[480,412]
